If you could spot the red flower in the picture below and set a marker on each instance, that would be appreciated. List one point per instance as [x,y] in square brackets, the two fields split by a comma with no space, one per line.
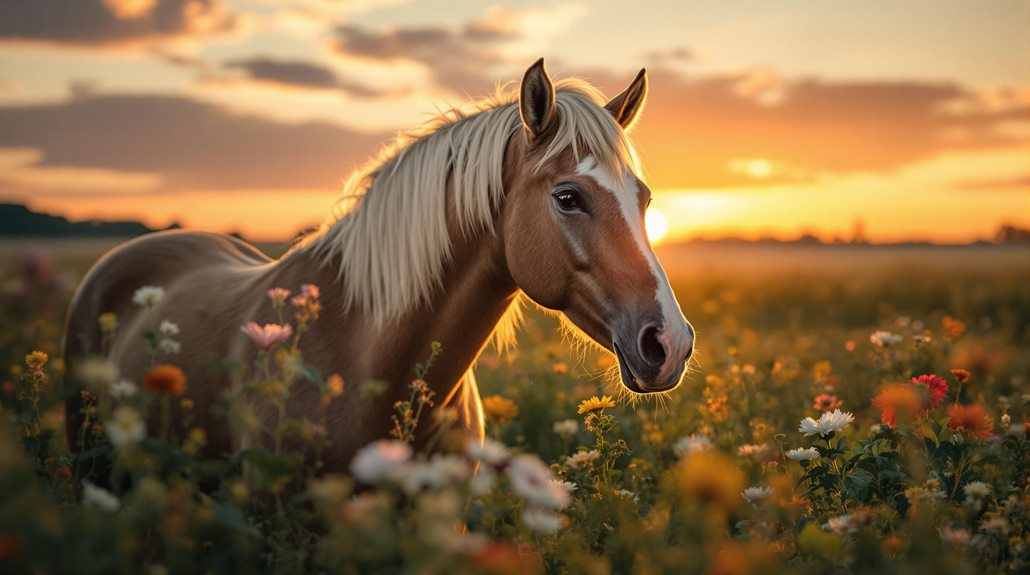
[898,400]
[971,419]
[935,388]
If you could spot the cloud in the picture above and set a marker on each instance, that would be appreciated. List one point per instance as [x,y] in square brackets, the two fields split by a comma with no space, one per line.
[110,22]
[186,143]
[1020,183]
[466,58]
[298,74]
[706,132]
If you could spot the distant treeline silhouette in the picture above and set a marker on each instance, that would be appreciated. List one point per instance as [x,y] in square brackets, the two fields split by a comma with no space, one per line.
[17,220]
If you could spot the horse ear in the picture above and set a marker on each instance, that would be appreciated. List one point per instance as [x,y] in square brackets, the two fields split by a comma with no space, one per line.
[536,100]
[626,106]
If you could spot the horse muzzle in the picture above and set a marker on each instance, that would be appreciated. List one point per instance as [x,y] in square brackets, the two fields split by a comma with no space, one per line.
[653,358]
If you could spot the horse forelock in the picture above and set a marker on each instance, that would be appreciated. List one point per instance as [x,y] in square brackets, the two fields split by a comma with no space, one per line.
[389,235]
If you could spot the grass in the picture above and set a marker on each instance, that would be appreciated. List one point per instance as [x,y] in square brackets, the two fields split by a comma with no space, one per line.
[659,484]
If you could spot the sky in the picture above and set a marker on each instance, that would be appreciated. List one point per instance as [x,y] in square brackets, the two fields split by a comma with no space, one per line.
[909,120]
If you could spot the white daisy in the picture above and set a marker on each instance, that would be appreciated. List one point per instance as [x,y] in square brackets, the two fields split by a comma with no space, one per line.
[380,461]
[976,490]
[170,346]
[168,329]
[99,498]
[533,481]
[756,494]
[125,427]
[122,389]
[803,454]
[829,422]
[581,457]
[148,296]
[884,339]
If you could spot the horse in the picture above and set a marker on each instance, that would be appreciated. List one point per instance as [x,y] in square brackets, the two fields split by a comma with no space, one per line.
[533,193]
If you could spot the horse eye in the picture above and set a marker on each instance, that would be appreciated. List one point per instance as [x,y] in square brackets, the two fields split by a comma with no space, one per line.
[567,200]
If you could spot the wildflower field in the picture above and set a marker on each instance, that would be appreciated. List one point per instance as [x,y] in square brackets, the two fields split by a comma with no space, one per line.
[851,410]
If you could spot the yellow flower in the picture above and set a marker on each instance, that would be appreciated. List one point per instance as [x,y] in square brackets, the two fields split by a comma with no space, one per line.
[499,408]
[36,360]
[594,404]
[108,322]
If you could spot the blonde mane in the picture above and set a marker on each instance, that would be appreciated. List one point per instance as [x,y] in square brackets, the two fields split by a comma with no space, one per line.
[389,234]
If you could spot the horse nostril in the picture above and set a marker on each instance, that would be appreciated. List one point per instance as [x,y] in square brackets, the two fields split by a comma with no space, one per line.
[652,350]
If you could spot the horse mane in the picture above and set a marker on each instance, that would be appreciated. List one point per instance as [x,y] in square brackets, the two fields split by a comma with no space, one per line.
[389,233]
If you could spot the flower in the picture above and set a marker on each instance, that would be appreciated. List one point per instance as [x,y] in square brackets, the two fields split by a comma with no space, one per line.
[168,329]
[756,494]
[581,457]
[488,451]
[500,409]
[960,375]
[754,451]
[884,339]
[170,346]
[99,498]
[437,473]
[278,295]
[830,422]
[36,360]
[976,490]
[710,478]
[334,385]
[934,388]
[568,486]
[122,389]
[533,482]
[308,293]
[595,404]
[803,454]
[166,379]
[952,326]
[108,322]
[269,335]
[541,521]
[380,461]
[922,339]
[841,525]
[691,444]
[971,419]
[125,427]
[897,400]
[96,374]
[958,537]
[827,402]
[148,296]
[566,427]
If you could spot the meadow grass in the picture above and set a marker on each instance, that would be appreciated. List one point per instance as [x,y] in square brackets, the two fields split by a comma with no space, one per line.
[912,475]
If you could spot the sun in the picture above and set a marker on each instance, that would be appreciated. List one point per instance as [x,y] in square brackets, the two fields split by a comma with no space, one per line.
[656,225]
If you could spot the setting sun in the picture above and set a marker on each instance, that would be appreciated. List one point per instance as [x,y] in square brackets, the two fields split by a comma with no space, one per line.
[656,225]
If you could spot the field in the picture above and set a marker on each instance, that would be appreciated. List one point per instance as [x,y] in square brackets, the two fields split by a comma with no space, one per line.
[927,348]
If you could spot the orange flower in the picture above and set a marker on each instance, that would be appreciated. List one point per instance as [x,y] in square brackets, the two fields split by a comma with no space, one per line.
[952,326]
[971,419]
[560,368]
[500,409]
[827,402]
[960,375]
[897,400]
[166,379]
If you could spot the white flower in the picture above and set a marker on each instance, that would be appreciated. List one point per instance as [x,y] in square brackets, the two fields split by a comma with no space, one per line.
[922,339]
[533,481]
[122,389]
[99,497]
[753,451]
[170,346]
[125,427]
[581,457]
[629,494]
[96,374]
[541,521]
[976,490]
[437,473]
[841,525]
[884,339]
[380,461]
[483,481]
[168,329]
[756,494]
[489,452]
[803,454]
[691,444]
[566,428]
[148,296]
[830,422]
[568,486]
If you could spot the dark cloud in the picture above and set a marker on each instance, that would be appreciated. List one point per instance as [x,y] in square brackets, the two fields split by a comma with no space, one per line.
[192,145]
[100,22]
[459,60]
[694,128]
[298,74]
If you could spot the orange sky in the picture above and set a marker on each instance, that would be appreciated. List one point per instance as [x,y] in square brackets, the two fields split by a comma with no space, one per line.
[764,118]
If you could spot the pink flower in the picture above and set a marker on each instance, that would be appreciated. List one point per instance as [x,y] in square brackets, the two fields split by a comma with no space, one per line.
[308,292]
[278,295]
[935,389]
[268,336]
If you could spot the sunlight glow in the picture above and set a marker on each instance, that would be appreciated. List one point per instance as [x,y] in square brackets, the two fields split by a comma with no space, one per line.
[656,225]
